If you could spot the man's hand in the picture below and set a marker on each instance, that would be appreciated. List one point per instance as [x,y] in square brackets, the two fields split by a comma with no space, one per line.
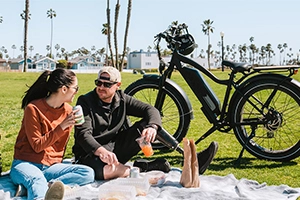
[150,133]
[107,156]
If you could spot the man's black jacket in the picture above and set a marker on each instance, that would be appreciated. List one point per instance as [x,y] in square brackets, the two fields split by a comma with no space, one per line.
[102,124]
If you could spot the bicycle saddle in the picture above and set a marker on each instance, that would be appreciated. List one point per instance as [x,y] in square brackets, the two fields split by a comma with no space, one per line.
[237,67]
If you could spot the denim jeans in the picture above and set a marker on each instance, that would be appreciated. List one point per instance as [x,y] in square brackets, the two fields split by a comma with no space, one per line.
[35,177]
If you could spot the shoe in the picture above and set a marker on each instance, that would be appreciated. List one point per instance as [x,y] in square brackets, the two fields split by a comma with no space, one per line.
[206,156]
[55,191]
[21,191]
[160,164]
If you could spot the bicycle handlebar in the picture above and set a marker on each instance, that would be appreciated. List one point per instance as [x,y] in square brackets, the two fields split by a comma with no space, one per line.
[170,35]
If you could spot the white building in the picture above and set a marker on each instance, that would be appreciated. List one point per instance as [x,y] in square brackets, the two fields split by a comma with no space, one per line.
[142,60]
[149,60]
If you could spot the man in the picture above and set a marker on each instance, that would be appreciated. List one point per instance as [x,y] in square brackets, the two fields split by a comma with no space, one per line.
[105,141]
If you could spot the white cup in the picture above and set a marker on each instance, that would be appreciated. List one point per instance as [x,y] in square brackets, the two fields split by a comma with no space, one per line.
[79,118]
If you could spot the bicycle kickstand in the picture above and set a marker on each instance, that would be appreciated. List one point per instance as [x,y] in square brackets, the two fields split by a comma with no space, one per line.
[238,161]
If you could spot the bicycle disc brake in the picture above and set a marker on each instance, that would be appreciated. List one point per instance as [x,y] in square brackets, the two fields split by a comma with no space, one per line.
[274,121]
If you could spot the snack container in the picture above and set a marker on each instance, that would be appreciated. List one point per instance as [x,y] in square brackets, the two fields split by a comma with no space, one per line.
[141,184]
[116,192]
[156,177]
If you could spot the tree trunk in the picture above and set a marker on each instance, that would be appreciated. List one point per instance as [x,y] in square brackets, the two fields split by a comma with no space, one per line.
[208,52]
[126,33]
[25,34]
[117,10]
[51,39]
[108,34]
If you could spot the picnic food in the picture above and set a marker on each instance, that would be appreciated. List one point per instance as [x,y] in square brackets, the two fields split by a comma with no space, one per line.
[156,177]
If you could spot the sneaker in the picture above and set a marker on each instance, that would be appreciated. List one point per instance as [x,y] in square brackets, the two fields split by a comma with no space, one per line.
[160,164]
[206,156]
[55,191]
[21,191]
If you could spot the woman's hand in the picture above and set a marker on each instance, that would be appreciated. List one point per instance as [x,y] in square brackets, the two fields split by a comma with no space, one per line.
[68,121]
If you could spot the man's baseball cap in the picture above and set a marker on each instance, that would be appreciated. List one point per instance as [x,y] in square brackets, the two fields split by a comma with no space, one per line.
[114,74]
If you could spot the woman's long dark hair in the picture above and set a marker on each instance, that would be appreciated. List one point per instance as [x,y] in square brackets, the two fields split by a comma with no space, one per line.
[48,82]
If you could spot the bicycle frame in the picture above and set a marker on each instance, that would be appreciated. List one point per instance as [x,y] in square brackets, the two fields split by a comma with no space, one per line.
[211,106]
[261,105]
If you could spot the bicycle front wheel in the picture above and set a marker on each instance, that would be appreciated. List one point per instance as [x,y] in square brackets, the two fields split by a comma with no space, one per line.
[276,110]
[175,112]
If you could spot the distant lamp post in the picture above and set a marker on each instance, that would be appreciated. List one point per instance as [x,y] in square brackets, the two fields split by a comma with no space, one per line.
[222,43]
[298,54]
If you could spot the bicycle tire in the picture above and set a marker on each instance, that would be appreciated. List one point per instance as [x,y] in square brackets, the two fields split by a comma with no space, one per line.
[175,111]
[277,140]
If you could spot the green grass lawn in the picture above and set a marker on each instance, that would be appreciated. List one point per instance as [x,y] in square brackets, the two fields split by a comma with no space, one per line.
[13,86]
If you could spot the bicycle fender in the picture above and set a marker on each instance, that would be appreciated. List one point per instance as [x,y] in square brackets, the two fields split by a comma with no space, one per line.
[175,86]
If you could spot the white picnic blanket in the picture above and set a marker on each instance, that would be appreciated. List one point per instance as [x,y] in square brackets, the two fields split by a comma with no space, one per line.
[211,188]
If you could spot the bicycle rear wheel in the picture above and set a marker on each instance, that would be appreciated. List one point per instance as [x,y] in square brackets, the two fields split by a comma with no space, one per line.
[277,136]
[175,112]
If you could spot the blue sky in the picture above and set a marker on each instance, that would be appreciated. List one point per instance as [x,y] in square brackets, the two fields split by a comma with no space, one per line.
[79,22]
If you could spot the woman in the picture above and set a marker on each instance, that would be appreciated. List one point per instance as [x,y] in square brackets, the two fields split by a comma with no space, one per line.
[47,122]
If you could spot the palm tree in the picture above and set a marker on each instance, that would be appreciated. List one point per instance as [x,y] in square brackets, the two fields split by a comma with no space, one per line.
[117,64]
[64,53]
[109,32]
[51,14]
[57,46]
[284,47]
[251,41]
[14,47]
[262,53]
[290,55]
[269,50]
[25,16]
[244,49]
[126,34]
[22,49]
[3,50]
[31,49]
[100,53]
[104,31]
[252,47]
[93,49]
[279,46]
[207,29]
[48,48]
[117,11]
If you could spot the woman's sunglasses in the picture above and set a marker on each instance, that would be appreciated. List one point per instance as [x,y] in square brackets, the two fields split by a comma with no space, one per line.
[76,88]
[105,84]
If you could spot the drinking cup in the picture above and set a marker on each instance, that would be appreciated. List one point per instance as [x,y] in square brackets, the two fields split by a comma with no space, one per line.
[145,146]
[79,118]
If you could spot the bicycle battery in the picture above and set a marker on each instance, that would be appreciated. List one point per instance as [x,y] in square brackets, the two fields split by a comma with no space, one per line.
[210,102]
